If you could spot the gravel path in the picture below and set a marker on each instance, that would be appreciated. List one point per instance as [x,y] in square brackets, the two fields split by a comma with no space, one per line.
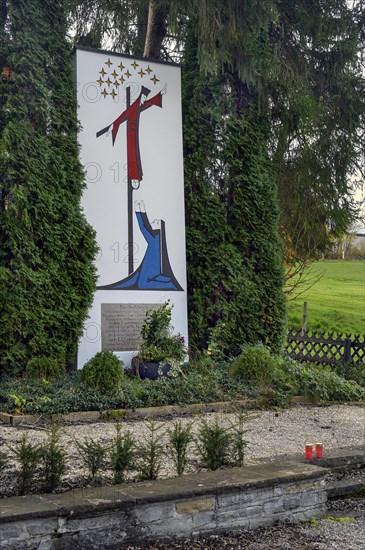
[272,434]
[323,535]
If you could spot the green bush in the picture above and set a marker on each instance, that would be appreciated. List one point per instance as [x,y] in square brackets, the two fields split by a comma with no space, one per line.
[317,381]
[352,371]
[54,459]
[159,343]
[28,455]
[44,368]
[104,371]
[151,452]
[213,444]
[256,366]
[3,461]
[179,439]
[324,384]
[93,454]
[122,453]
[238,441]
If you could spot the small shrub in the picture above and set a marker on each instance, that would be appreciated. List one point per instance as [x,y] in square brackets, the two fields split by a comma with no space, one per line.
[151,452]
[93,454]
[352,371]
[17,403]
[122,454]
[255,365]
[238,441]
[53,459]
[180,437]
[213,444]
[44,368]
[326,385]
[320,382]
[28,456]
[3,460]
[104,371]
[201,362]
[159,344]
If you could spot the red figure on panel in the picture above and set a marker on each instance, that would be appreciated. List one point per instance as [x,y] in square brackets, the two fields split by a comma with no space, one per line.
[131,116]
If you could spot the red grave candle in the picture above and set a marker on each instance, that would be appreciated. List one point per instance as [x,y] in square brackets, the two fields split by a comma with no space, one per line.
[319,450]
[309,451]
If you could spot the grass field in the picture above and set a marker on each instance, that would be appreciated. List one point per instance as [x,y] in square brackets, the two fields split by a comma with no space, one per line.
[336,301]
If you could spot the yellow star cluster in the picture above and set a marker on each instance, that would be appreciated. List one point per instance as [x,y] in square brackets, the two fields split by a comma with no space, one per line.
[113,75]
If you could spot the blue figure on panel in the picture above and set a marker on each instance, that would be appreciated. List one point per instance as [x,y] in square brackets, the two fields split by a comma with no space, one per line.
[154,272]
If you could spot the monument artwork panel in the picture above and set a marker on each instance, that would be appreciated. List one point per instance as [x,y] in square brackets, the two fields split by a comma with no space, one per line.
[131,147]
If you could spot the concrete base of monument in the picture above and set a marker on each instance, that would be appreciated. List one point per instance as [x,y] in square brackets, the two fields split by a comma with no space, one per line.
[208,502]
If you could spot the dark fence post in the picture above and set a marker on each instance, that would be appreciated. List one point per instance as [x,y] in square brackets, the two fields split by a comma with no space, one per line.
[346,350]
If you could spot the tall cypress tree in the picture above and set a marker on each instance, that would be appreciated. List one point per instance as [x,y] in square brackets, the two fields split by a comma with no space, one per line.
[234,253]
[47,277]
[205,212]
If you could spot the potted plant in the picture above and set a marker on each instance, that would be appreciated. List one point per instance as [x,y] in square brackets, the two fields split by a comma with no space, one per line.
[161,352]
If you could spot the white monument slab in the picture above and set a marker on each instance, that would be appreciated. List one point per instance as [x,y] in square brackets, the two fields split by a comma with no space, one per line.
[131,148]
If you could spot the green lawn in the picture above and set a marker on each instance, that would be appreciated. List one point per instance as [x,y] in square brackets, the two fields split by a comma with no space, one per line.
[336,301]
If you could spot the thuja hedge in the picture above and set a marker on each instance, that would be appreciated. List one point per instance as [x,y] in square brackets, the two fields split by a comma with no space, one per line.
[46,247]
[234,253]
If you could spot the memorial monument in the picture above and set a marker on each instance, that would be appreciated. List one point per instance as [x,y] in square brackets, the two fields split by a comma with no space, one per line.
[131,148]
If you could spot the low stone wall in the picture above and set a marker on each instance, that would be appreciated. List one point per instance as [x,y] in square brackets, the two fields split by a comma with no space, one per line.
[113,517]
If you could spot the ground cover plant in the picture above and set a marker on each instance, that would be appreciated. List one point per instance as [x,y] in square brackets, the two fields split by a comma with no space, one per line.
[69,393]
[256,373]
[337,301]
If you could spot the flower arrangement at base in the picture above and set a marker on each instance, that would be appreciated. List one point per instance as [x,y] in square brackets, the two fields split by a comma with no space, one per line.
[160,346]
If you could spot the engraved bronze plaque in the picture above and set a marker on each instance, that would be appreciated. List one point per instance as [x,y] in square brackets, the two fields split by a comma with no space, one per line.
[121,326]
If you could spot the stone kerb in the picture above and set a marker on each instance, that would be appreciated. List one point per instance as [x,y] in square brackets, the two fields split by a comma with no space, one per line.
[110,517]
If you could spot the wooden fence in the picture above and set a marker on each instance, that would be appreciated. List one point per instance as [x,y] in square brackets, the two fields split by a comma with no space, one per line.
[325,347]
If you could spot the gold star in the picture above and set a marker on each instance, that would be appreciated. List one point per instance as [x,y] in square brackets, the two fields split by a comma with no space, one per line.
[134,65]
[102,72]
[115,74]
[141,73]
[108,63]
[122,79]
[104,93]
[108,81]
[116,83]
[121,66]
[148,70]
[128,74]
[100,81]
[113,94]
[155,80]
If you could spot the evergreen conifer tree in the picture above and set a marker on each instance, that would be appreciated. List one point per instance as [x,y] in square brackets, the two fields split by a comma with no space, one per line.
[47,277]
[234,252]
